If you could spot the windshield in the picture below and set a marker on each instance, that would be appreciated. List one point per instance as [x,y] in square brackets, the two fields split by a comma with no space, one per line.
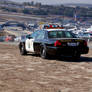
[60,34]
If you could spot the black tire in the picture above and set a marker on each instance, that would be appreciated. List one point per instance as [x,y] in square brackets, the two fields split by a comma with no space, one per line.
[23,50]
[43,53]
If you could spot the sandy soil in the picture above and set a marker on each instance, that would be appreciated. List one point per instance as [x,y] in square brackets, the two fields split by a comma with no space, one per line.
[32,74]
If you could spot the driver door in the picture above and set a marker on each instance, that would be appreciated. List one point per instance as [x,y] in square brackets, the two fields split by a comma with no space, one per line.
[29,45]
[30,42]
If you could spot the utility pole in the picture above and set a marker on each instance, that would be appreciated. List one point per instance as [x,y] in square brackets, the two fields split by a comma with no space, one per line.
[75,14]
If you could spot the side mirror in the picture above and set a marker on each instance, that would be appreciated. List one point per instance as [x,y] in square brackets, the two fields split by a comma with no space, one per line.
[29,37]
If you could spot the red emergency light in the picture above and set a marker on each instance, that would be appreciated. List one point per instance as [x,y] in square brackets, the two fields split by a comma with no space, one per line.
[53,27]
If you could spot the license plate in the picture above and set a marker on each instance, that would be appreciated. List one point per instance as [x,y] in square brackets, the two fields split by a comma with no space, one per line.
[73,44]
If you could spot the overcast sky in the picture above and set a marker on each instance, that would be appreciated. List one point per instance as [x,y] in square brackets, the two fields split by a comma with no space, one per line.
[57,1]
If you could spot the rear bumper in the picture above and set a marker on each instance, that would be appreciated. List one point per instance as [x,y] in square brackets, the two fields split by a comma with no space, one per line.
[84,50]
[66,50]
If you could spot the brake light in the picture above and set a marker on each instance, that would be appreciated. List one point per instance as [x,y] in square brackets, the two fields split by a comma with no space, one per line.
[51,26]
[57,43]
[85,43]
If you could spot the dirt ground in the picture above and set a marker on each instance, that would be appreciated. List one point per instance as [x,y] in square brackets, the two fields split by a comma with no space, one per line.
[32,74]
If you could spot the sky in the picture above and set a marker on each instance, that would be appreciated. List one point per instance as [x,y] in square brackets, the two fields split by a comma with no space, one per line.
[57,1]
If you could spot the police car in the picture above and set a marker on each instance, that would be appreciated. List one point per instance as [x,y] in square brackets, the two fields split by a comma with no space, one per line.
[53,41]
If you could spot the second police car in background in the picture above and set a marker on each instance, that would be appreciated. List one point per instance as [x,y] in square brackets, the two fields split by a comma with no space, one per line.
[53,41]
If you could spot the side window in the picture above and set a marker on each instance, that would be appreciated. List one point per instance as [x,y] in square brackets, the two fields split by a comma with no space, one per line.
[27,36]
[60,34]
[52,34]
[68,35]
[40,35]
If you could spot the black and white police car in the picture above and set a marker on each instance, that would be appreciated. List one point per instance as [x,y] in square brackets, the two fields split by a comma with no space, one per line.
[53,41]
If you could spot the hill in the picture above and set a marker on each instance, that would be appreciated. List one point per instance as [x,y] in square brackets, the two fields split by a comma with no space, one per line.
[78,5]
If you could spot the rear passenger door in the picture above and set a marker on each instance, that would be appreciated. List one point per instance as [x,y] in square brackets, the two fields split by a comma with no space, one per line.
[39,40]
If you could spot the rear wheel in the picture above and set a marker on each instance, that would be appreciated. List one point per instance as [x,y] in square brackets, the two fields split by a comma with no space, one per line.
[23,50]
[43,53]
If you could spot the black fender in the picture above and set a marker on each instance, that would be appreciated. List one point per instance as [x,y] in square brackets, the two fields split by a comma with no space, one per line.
[43,45]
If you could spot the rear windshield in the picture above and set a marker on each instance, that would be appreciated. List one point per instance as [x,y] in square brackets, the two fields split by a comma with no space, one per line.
[60,34]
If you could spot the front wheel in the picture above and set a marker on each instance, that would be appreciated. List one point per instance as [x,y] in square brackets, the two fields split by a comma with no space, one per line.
[23,50]
[43,53]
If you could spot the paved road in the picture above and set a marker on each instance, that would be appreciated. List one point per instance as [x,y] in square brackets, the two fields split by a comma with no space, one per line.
[17,33]
[20,16]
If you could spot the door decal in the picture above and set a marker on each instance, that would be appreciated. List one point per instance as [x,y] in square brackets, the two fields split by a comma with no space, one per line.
[29,45]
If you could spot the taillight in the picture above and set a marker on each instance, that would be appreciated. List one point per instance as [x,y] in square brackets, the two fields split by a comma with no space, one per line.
[57,43]
[85,43]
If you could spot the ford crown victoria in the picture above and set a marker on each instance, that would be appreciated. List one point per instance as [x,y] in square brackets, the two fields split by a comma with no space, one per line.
[47,42]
